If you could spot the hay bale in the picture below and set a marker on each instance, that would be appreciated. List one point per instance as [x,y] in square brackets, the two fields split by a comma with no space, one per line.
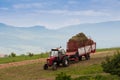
[80,40]
[77,41]
[79,37]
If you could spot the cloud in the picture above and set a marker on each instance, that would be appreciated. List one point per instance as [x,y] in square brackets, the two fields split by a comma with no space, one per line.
[71,21]
[56,18]
[54,14]
[74,13]
[21,49]
[27,48]
[72,2]
[27,5]
[88,13]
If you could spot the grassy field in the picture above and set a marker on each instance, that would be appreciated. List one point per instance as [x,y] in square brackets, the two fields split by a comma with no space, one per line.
[35,71]
[22,58]
[107,49]
[37,56]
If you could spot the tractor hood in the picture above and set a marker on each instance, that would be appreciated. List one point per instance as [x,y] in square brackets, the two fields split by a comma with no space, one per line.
[50,60]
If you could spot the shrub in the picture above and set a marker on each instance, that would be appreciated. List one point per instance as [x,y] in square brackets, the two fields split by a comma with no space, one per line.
[112,65]
[30,54]
[13,54]
[96,77]
[63,76]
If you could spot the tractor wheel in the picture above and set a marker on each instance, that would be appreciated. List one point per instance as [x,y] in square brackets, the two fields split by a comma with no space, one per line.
[65,62]
[87,56]
[77,57]
[80,58]
[45,67]
[54,66]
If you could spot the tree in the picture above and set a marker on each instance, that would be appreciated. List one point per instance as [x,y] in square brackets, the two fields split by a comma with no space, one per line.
[30,54]
[13,54]
[112,64]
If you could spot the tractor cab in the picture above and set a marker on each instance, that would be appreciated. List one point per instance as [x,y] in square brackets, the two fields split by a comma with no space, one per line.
[54,53]
[57,52]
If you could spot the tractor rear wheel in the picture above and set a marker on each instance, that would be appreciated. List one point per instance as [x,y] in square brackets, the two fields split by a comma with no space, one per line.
[54,66]
[45,67]
[65,62]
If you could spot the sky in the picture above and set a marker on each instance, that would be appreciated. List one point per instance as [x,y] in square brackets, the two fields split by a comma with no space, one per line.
[57,13]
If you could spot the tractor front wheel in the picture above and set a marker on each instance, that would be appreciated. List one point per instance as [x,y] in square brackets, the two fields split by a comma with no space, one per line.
[45,67]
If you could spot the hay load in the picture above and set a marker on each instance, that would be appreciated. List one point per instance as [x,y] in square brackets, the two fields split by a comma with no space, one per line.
[79,40]
[79,37]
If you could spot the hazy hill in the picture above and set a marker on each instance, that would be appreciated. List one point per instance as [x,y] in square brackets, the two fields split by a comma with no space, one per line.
[38,38]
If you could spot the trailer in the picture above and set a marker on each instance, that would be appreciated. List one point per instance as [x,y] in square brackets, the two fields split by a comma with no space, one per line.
[77,48]
[77,52]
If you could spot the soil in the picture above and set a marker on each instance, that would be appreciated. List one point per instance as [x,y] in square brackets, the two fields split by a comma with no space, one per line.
[6,65]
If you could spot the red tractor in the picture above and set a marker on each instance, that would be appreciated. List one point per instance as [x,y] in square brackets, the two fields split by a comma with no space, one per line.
[56,58]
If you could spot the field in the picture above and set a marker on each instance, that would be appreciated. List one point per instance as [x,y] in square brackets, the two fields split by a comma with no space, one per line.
[33,69]
[22,58]
[108,49]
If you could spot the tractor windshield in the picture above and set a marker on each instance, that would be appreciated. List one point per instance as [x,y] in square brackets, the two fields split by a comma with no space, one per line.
[54,53]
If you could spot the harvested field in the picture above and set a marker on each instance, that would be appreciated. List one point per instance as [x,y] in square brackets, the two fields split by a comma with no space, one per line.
[33,69]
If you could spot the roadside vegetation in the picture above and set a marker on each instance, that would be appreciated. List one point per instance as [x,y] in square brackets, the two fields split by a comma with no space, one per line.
[112,64]
[64,76]
[29,56]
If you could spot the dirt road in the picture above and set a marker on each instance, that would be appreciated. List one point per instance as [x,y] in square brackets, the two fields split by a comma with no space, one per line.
[6,65]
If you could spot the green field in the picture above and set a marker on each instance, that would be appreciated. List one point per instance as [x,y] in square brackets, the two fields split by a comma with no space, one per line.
[82,69]
[22,58]
[107,49]
[37,56]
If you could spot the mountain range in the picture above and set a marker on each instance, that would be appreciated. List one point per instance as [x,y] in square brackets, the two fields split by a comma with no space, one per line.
[38,39]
